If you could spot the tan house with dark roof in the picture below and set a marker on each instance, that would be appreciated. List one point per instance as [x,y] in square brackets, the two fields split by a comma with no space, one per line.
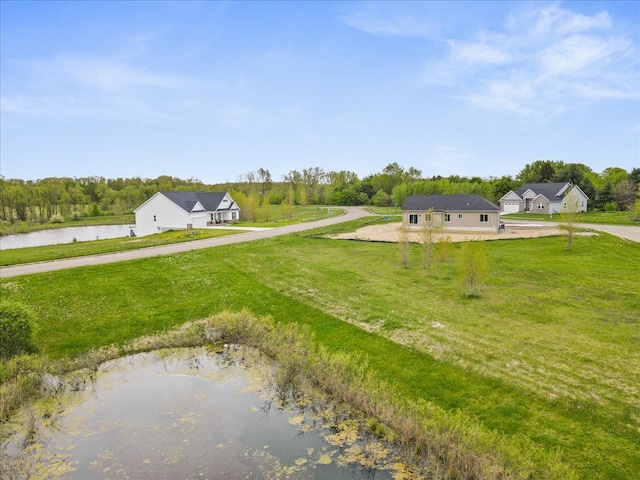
[469,213]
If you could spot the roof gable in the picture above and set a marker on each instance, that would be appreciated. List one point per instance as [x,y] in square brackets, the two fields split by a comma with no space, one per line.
[511,196]
[539,196]
[196,201]
[441,203]
[551,191]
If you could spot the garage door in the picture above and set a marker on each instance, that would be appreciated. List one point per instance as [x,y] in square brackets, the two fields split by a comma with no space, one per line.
[510,207]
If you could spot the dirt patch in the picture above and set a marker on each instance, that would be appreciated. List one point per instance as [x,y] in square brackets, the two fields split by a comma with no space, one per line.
[390,232]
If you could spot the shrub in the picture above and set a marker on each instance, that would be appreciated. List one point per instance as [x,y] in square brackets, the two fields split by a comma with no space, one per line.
[17,325]
[94,210]
[610,207]
[56,218]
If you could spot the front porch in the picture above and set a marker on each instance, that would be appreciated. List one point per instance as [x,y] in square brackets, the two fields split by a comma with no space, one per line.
[220,222]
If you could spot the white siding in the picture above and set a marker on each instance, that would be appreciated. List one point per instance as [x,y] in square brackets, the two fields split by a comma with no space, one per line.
[159,214]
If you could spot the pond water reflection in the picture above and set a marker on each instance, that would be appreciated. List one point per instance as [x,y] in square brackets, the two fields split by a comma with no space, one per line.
[56,236]
[189,413]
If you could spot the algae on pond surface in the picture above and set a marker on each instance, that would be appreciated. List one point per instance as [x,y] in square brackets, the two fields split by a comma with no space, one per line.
[191,413]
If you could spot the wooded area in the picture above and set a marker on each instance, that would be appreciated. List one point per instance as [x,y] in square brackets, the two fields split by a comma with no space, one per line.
[56,199]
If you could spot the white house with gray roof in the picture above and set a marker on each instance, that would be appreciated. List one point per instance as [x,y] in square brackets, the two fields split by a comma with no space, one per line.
[544,198]
[469,213]
[185,210]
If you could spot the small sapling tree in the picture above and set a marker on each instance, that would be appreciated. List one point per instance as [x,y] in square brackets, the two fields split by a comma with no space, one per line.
[428,237]
[403,244]
[473,267]
[569,216]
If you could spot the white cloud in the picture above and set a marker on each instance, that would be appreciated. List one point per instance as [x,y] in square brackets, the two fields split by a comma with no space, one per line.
[384,19]
[556,21]
[580,54]
[103,74]
[478,53]
[540,64]
[66,86]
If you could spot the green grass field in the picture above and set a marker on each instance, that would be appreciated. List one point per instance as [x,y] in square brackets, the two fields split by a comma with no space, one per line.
[548,355]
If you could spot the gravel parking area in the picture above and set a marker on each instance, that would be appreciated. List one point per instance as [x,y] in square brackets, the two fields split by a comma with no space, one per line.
[390,232]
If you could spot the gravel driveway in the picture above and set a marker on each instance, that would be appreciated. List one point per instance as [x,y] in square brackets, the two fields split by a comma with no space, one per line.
[520,228]
[351,213]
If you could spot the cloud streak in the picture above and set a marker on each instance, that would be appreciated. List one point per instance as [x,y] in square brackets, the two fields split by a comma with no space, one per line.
[68,86]
[543,63]
[539,62]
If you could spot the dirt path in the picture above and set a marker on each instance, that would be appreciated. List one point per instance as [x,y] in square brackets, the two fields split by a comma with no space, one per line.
[351,213]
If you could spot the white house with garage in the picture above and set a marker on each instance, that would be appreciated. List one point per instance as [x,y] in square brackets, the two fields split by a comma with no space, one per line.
[543,198]
[185,210]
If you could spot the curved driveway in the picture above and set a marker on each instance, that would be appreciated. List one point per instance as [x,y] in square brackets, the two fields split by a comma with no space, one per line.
[351,213]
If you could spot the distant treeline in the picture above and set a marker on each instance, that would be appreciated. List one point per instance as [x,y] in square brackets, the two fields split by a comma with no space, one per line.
[53,199]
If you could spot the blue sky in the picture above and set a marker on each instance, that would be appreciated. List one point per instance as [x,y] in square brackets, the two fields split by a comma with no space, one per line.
[212,90]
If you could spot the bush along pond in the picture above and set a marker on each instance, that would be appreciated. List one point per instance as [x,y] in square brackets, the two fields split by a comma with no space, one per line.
[196,412]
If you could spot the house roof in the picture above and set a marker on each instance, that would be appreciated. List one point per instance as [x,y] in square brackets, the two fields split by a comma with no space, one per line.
[441,203]
[551,191]
[209,201]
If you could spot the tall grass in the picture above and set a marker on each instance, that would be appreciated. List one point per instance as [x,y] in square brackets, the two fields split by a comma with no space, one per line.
[445,444]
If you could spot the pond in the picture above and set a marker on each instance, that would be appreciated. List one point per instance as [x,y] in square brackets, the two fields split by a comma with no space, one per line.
[55,236]
[189,413]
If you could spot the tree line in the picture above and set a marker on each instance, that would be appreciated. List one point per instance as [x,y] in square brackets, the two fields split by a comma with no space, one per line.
[53,198]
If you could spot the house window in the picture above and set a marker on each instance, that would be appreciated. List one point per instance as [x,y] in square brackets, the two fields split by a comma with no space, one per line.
[154,218]
[413,219]
[460,215]
[233,215]
[540,205]
[484,217]
[427,217]
[447,217]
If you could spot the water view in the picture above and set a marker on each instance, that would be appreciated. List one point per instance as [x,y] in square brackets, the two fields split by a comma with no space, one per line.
[189,413]
[56,236]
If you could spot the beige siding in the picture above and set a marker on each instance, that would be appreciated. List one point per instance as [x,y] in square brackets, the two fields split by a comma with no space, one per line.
[458,220]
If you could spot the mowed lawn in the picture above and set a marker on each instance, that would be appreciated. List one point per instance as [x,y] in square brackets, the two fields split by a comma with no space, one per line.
[548,355]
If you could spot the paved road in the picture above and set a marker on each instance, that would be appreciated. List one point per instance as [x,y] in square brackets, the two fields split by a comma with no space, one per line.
[351,213]
[628,232]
